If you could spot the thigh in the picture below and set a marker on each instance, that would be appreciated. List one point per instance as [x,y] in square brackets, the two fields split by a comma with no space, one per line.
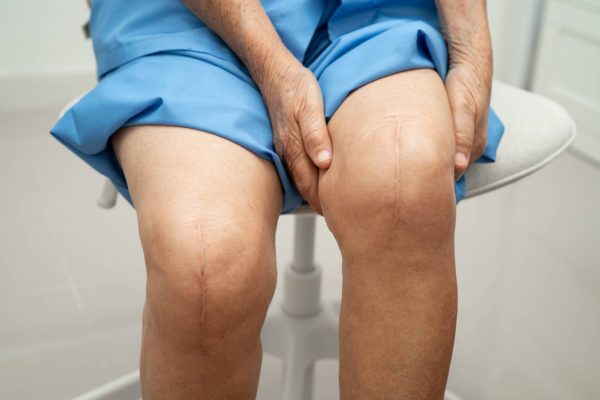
[179,176]
[393,146]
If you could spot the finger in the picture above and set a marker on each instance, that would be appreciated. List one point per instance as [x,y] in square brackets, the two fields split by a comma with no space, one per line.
[306,178]
[478,146]
[315,135]
[464,131]
[480,143]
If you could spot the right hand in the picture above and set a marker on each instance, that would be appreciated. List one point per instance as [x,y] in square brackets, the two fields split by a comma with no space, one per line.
[290,91]
[295,104]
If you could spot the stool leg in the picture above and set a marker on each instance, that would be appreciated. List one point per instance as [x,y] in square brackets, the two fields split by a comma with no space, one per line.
[302,282]
[297,378]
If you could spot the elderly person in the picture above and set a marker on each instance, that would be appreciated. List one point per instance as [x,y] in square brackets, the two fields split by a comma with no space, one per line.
[213,117]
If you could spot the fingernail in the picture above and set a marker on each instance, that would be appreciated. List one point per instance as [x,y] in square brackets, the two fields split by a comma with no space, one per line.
[323,156]
[460,160]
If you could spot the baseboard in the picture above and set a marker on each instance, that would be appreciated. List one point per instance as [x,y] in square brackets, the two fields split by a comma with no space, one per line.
[42,91]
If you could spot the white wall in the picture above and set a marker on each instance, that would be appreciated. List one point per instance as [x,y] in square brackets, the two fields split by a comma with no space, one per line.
[46,38]
[513,24]
[43,50]
[43,37]
[44,57]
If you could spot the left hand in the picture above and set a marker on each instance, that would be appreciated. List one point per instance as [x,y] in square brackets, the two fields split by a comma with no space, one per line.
[468,88]
[469,79]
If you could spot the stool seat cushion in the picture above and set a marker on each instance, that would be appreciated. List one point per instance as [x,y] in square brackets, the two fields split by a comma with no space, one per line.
[536,131]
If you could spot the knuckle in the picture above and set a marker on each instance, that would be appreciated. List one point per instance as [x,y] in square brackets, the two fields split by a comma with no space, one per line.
[464,139]
[303,184]
[311,102]
[467,103]
[317,109]
[292,148]
[312,137]
[292,159]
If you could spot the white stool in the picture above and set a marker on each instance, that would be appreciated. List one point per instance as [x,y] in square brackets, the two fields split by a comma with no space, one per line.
[303,328]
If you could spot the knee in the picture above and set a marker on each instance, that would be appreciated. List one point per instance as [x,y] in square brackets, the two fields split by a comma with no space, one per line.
[408,186]
[207,282]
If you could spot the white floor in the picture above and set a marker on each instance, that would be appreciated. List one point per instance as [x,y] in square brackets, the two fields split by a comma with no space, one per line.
[72,280]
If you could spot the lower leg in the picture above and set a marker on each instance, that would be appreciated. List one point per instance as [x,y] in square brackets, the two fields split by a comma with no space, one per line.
[397,322]
[228,368]
[398,311]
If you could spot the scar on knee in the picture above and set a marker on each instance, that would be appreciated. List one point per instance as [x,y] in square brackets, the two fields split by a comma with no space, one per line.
[203,288]
[397,127]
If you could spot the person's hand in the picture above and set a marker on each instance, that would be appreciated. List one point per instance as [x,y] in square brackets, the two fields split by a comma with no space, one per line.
[468,92]
[291,92]
[295,103]
[469,79]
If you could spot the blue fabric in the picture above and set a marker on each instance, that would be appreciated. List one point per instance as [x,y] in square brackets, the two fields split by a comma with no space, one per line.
[159,64]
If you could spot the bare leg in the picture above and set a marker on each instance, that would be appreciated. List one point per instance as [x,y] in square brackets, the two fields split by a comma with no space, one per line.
[389,200]
[207,211]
